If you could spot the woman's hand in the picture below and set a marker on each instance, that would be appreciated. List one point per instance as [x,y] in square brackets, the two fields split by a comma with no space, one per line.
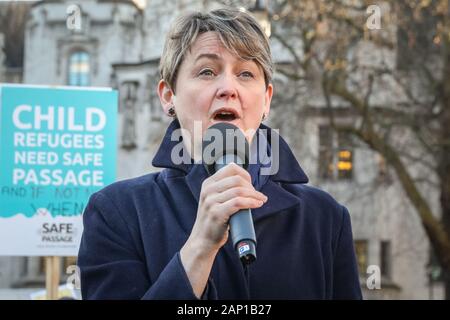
[224,193]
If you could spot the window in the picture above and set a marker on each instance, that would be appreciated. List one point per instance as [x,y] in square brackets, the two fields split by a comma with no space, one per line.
[67,262]
[335,162]
[129,98]
[417,35]
[434,269]
[325,153]
[361,250]
[385,259]
[345,156]
[79,69]
[156,113]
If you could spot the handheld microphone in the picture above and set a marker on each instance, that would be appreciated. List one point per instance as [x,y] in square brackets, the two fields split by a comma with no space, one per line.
[224,143]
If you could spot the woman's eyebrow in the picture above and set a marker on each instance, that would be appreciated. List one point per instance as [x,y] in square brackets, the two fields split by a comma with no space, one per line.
[216,57]
[212,56]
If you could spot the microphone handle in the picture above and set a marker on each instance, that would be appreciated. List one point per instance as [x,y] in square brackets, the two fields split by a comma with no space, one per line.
[243,235]
[241,223]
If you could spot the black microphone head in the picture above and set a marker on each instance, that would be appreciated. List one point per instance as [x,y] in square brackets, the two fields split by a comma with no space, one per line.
[224,138]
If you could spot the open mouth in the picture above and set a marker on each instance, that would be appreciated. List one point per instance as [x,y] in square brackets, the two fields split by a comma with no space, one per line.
[225,115]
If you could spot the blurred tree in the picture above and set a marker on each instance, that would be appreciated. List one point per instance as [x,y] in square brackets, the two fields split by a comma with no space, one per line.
[389,65]
[13,17]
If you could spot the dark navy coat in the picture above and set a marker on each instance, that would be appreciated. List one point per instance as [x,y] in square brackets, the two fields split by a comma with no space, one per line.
[134,230]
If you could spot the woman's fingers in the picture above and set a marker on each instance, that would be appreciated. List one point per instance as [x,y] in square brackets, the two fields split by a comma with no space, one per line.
[231,169]
[226,178]
[230,182]
[223,194]
[238,192]
[232,206]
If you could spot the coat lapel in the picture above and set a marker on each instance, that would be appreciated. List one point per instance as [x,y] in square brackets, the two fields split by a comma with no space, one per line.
[279,199]
[162,158]
[195,178]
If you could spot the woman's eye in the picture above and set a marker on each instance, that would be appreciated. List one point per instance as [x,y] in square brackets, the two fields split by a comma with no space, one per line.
[206,72]
[247,74]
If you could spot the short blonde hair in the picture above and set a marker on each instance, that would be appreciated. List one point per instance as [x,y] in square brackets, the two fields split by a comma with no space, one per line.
[239,32]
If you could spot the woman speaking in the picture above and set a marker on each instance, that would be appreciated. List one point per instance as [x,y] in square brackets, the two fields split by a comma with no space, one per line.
[165,235]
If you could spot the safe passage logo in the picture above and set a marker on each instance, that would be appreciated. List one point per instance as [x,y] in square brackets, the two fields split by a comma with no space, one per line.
[57,147]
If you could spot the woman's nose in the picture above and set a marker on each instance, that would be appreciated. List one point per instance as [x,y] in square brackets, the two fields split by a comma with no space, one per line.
[227,88]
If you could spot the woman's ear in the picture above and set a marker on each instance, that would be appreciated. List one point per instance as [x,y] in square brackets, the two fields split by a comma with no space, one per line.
[268,99]
[166,96]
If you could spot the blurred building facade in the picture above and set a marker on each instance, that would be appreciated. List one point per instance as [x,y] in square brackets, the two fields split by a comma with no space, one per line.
[2,56]
[119,44]
[8,74]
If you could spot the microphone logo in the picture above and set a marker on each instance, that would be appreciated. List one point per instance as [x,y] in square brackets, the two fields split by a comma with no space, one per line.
[243,247]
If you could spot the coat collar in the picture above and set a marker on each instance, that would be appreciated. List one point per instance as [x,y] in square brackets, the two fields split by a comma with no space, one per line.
[289,172]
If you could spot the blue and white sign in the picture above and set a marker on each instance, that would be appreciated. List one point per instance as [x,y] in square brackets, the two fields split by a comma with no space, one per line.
[57,147]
